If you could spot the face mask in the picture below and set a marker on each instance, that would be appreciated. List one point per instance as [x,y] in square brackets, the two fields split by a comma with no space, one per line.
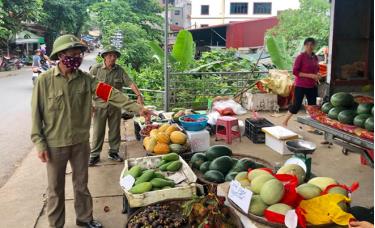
[71,62]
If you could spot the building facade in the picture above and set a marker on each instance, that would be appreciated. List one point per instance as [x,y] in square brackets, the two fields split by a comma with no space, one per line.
[179,12]
[215,12]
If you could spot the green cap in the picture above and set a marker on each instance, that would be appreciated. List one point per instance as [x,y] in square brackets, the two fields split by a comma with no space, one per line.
[109,50]
[65,42]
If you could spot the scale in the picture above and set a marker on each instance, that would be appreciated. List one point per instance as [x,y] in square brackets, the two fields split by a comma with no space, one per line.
[301,149]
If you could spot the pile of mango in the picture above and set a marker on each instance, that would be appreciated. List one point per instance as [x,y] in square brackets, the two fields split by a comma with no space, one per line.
[152,179]
[268,191]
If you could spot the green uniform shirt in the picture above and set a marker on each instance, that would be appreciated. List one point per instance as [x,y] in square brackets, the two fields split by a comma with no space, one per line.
[61,108]
[115,77]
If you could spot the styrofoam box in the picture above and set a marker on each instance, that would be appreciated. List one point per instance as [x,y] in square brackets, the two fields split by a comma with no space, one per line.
[277,145]
[260,102]
[276,137]
[199,140]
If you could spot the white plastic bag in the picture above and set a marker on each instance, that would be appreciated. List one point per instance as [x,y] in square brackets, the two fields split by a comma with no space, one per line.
[223,104]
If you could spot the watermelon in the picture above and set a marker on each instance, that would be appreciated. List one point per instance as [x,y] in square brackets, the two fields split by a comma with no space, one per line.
[346,116]
[326,107]
[364,108]
[334,112]
[369,124]
[360,119]
[197,160]
[342,99]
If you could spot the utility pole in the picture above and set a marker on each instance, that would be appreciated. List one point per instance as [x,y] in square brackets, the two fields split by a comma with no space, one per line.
[166,76]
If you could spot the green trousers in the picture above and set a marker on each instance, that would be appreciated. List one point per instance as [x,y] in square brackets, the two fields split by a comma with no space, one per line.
[101,116]
[59,157]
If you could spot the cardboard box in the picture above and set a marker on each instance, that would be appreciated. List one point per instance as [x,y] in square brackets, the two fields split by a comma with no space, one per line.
[199,140]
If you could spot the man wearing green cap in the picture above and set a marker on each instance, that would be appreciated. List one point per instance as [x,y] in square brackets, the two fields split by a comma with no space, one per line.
[114,75]
[61,119]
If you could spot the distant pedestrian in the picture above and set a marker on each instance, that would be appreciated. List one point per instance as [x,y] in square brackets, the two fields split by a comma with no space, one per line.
[61,119]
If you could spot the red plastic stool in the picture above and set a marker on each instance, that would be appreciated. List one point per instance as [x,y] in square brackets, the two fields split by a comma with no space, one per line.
[227,133]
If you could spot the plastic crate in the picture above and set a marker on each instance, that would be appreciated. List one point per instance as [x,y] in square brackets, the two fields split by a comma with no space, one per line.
[253,129]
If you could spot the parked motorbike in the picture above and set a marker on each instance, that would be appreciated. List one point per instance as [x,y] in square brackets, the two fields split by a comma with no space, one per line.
[7,63]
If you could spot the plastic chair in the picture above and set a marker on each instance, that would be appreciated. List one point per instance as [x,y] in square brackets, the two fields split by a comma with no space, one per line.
[227,133]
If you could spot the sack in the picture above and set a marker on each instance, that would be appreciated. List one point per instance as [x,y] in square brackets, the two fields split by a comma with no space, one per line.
[278,82]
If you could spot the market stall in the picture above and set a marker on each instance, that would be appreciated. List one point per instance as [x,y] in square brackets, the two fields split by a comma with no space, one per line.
[348,141]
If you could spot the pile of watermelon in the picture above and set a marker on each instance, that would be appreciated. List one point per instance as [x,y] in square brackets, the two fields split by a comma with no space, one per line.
[346,110]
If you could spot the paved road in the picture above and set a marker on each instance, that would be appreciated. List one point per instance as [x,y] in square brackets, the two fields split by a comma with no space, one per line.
[15,118]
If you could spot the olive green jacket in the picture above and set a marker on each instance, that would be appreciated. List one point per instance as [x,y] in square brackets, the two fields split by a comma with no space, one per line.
[115,77]
[61,108]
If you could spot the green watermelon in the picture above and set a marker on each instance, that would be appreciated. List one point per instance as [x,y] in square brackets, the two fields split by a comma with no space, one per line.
[369,124]
[346,116]
[342,99]
[364,108]
[326,107]
[334,112]
[360,119]
[197,160]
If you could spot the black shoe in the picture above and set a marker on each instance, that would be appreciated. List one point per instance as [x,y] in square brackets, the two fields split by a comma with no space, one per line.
[91,224]
[115,157]
[94,160]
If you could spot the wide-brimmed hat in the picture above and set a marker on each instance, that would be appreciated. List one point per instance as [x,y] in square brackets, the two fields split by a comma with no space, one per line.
[110,50]
[65,42]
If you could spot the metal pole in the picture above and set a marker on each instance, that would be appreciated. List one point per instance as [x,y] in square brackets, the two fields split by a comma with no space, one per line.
[166,77]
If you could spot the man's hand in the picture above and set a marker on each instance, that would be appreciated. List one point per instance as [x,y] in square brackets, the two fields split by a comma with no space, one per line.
[362,224]
[146,114]
[43,156]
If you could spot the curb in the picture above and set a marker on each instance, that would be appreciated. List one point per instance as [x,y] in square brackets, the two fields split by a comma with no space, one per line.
[5,74]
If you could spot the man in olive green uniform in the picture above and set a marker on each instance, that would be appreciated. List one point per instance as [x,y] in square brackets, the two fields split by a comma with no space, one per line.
[114,75]
[61,118]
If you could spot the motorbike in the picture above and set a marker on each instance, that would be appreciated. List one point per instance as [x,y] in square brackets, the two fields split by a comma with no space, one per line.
[37,71]
[7,63]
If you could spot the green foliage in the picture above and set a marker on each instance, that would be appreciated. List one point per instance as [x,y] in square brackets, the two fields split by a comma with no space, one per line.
[145,13]
[310,20]
[277,50]
[139,22]
[64,16]
[221,61]
[134,51]
[14,12]
[183,49]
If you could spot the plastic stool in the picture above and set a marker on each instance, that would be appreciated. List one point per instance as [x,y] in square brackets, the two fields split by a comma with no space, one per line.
[228,134]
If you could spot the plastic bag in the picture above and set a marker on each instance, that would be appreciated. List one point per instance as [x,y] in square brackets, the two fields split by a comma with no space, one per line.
[325,210]
[279,82]
[224,105]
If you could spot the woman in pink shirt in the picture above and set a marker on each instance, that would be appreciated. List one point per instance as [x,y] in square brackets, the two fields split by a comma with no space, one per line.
[305,69]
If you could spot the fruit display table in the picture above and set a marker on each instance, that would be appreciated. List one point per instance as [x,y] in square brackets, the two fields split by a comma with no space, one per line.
[349,142]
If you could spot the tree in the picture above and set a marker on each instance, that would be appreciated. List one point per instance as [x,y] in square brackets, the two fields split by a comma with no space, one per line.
[134,51]
[145,13]
[64,16]
[14,12]
[310,20]
[138,20]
